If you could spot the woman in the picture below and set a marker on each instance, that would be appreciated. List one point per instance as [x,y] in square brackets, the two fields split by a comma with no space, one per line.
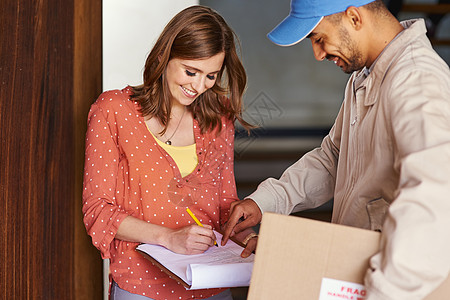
[156,149]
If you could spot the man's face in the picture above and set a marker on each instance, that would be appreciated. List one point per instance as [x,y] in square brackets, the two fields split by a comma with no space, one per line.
[333,41]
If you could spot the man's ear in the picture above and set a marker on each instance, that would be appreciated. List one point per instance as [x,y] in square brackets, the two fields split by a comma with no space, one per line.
[354,16]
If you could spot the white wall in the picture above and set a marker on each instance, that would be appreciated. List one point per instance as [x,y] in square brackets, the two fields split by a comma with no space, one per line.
[130,28]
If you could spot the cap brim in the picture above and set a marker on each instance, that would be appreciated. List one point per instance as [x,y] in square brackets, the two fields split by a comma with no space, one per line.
[292,30]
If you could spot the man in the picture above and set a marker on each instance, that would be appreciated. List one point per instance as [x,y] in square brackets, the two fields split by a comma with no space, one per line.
[386,160]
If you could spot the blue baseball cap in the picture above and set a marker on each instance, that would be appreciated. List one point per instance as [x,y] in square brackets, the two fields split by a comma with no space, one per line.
[305,15]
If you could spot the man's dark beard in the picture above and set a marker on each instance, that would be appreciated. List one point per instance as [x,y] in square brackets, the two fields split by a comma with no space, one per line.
[355,59]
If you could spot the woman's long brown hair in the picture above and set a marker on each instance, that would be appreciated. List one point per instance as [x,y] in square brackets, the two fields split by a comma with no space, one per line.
[196,32]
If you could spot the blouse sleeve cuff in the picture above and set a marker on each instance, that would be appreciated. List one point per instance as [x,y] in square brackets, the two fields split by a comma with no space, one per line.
[105,244]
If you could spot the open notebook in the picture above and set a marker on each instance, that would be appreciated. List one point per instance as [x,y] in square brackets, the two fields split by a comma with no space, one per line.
[217,267]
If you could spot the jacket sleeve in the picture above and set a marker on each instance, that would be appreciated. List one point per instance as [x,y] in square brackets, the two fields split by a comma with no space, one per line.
[102,215]
[414,257]
[308,183]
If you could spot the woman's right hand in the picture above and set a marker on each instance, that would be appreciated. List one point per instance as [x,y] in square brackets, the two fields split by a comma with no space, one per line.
[192,239]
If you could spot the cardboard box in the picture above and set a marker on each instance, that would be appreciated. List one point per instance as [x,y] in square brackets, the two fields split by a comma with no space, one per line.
[296,256]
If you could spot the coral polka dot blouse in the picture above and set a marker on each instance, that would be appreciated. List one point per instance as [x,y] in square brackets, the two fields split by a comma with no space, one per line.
[128,174]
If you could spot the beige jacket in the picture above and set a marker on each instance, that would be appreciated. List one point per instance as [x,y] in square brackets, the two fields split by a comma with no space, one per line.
[386,163]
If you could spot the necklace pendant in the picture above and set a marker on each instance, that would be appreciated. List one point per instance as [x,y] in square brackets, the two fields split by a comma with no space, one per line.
[168,142]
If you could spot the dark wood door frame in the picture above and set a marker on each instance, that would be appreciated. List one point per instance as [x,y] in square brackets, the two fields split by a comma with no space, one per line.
[50,72]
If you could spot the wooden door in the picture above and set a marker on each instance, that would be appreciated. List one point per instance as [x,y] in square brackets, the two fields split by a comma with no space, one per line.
[50,72]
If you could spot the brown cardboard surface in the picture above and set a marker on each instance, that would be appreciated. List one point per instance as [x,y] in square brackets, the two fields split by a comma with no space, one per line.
[294,254]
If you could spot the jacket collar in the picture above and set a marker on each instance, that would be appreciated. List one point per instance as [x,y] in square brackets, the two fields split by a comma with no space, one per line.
[414,29]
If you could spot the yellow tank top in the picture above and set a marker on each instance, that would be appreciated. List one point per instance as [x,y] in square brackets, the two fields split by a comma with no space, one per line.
[184,156]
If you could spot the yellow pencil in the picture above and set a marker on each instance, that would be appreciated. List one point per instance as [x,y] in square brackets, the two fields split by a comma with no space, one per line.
[197,221]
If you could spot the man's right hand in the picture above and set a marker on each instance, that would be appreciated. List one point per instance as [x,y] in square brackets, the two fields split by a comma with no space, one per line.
[243,214]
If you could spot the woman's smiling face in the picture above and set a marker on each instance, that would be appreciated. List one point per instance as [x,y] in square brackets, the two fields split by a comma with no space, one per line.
[187,79]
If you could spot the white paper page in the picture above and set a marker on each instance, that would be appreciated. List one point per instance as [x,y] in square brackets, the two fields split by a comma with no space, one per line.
[217,267]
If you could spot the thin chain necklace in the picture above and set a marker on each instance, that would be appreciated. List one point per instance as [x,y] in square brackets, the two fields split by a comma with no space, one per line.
[168,141]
